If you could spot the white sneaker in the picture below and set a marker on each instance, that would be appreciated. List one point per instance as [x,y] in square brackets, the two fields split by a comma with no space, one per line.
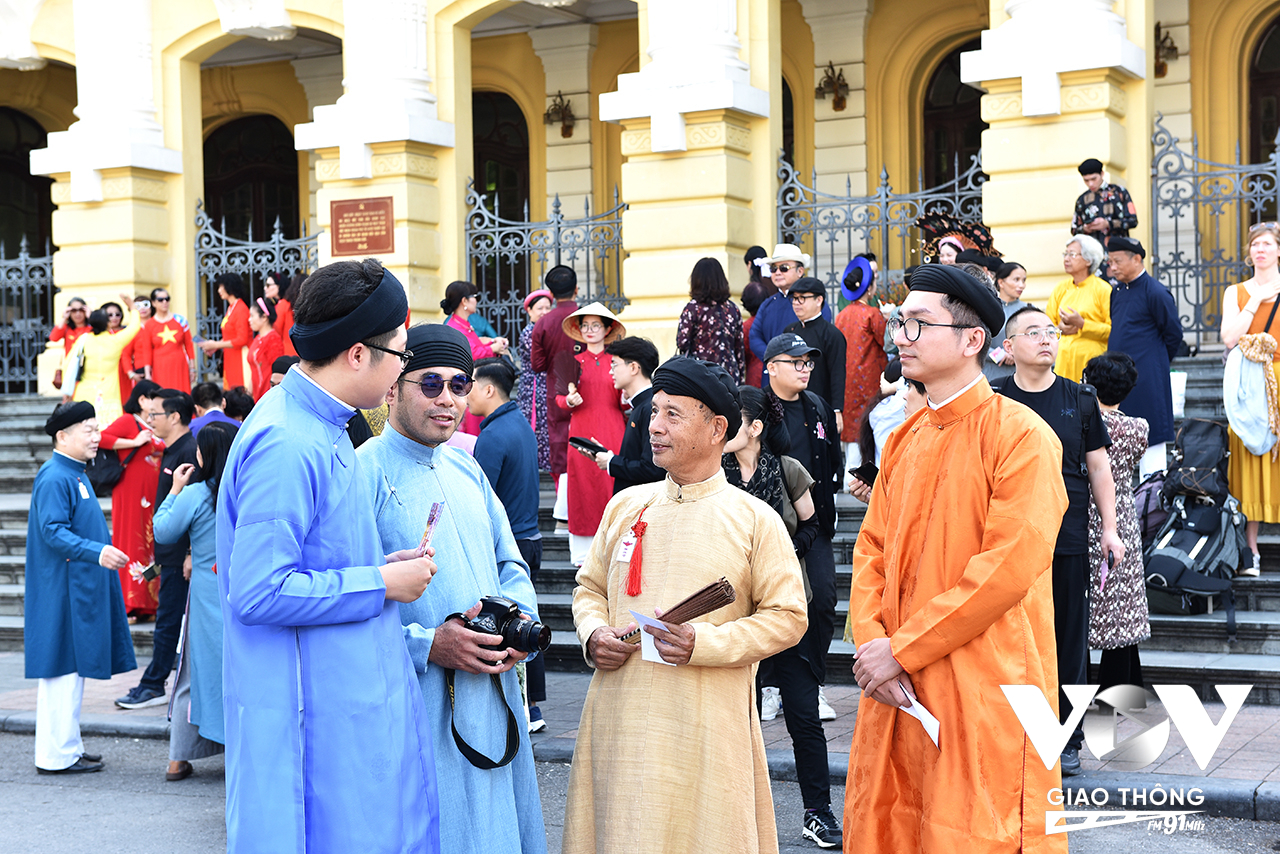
[770,703]
[825,712]
[1255,570]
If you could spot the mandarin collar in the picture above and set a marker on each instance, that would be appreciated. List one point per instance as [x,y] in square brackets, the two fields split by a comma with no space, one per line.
[317,398]
[69,462]
[961,406]
[403,446]
[695,491]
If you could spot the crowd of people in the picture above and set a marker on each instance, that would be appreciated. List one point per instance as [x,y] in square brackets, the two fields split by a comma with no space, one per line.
[348,520]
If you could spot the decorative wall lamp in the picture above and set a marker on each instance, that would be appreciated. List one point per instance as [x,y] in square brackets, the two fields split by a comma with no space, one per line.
[1166,50]
[560,111]
[833,83]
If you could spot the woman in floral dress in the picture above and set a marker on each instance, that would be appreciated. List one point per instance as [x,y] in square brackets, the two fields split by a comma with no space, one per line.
[711,324]
[532,392]
[1118,617]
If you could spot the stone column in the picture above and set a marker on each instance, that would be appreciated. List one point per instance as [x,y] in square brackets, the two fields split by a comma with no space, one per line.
[700,149]
[111,167]
[840,138]
[381,137]
[321,79]
[1063,82]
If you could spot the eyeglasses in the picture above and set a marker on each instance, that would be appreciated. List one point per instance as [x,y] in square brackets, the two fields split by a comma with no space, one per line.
[783,268]
[116,315]
[800,365]
[404,356]
[911,327]
[432,384]
[1048,333]
[77,308]
[152,416]
[161,299]
[592,327]
[802,297]
[1072,255]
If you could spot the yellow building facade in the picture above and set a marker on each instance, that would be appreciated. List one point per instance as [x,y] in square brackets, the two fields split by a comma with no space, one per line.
[278,109]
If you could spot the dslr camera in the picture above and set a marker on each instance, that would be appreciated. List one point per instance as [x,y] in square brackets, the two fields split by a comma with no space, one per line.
[500,616]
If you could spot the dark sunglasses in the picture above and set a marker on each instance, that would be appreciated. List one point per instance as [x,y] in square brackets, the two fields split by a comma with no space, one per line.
[161,299]
[432,384]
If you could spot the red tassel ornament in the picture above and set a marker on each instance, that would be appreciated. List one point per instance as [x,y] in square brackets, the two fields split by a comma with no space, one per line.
[633,570]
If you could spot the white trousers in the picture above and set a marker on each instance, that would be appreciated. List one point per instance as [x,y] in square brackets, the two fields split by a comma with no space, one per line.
[58,743]
[561,509]
[1155,459]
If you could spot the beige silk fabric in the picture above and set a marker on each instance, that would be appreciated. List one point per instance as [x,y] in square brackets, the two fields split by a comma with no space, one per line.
[671,758]
[1261,347]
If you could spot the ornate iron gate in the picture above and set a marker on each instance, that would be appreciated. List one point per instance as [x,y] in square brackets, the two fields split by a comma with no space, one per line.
[835,228]
[506,257]
[26,315]
[1203,211]
[216,253]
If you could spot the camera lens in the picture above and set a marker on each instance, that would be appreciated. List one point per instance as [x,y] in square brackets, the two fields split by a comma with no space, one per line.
[528,636]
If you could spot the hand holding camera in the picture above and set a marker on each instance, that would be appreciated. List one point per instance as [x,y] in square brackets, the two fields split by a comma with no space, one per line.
[490,637]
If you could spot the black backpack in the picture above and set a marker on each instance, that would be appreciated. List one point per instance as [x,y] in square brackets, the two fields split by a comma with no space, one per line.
[1193,558]
[1199,467]
[1151,510]
[105,470]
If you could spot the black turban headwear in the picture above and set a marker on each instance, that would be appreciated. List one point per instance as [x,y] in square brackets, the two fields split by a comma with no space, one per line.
[1092,166]
[1126,244]
[282,364]
[945,279]
[438,345]
[382,311]
[81,410]
[683,376]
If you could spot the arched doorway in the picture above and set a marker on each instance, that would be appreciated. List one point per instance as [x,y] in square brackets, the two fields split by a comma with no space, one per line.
[788,124]
[251,177]
[26,207]
[952,120]
[500,139]
[1264,93]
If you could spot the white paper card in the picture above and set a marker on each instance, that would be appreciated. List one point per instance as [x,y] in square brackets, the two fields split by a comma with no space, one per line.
[625,548]
[84,492]
[648,651]
[920,713]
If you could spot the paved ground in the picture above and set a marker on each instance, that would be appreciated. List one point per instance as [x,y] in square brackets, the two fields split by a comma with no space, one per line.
[1242,780]
[129,809]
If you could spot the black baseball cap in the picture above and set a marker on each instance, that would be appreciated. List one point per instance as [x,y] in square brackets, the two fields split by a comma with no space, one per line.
[788,344]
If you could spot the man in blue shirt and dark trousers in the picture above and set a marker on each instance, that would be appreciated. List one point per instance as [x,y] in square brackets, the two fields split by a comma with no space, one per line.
[507,450]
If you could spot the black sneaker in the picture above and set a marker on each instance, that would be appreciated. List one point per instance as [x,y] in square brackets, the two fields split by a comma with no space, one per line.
[820,826]
[141,698]
[1070,762]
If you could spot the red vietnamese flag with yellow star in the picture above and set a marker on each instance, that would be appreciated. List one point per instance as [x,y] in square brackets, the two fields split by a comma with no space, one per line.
[167,347]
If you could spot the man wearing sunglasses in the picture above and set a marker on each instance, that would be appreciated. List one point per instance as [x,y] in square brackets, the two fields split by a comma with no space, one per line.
[407,471]
[324,717]
[785,267]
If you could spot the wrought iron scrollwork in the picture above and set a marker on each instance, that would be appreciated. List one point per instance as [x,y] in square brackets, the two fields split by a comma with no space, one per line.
[1203,210]
[506,257]
[216,253]
[834,228]
[26,315]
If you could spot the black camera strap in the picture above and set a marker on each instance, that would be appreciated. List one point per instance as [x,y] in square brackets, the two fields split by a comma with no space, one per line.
[474,756]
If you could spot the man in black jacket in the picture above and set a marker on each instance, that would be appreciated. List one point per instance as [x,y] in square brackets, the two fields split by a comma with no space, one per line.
[632,364]
[169,413]
[808,433]
[826,380]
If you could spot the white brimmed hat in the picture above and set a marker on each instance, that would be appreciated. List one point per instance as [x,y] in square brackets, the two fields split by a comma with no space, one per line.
[785,252]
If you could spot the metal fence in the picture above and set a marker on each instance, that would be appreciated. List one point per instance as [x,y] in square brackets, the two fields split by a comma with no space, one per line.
[508,258]
[26,316]
[834,228]
[1202,212]
[216,253]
